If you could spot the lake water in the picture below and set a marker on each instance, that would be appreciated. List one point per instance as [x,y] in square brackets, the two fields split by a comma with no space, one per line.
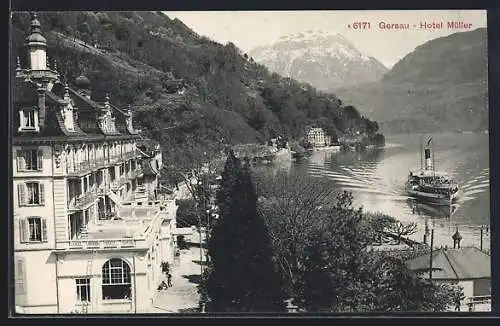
[376,179]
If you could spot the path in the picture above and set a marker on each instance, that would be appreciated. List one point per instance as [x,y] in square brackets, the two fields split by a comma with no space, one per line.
[183,295]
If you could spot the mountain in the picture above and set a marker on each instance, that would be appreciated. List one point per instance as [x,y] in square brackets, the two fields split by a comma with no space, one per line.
[185,90]
[324,60]
[440,86]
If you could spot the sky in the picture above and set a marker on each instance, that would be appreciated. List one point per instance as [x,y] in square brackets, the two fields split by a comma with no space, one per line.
[249,29]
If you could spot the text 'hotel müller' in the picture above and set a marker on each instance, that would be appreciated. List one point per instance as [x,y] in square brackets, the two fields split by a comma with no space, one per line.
[423,25]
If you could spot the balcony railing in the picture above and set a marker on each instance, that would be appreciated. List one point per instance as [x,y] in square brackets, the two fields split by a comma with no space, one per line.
[104,243]
[114,159]
[117,183]
[103,189]
[100,163]
[129,155]
[80,168]
[83,200]
[143,241]
[131,175]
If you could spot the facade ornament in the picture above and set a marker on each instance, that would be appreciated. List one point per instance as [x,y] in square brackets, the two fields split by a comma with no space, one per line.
[66,92]
[58,152]
[106,101]
[18,66]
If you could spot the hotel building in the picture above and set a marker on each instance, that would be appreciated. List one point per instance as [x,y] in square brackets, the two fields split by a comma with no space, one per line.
[317,137]
[91,227]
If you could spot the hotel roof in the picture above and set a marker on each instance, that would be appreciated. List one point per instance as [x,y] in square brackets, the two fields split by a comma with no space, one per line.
[454,264]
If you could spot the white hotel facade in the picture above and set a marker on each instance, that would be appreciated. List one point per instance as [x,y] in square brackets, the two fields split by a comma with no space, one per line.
[91,227]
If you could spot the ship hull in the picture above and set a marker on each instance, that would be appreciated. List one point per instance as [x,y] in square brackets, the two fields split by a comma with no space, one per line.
[432,197]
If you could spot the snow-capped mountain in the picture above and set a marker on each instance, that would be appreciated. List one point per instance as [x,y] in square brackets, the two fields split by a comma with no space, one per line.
[325,60]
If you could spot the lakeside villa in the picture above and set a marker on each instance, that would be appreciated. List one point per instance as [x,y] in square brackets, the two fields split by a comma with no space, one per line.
[317,137]
[91,225]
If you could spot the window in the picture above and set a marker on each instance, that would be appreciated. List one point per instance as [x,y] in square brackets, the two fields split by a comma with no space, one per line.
[31,193]
[20,286]
[30,160]
[482,287]
[33,229]
[82,289]
[116,282]
[28,119]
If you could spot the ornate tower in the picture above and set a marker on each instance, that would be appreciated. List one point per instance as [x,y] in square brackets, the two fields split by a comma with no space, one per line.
[37,46]
[38,71]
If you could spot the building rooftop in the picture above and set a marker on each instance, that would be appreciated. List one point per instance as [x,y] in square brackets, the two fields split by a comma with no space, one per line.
[454,264]
[131,222]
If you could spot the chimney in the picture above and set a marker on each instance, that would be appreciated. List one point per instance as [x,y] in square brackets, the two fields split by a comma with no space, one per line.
[41,107]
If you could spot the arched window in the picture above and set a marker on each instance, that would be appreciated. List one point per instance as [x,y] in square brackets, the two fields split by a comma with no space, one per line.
[116,282]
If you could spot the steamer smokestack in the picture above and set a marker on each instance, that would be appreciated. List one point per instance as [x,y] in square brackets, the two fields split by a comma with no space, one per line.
[427,156]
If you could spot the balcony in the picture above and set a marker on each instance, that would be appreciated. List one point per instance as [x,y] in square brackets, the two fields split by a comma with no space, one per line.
[100,163]
[80,169]
[117,183]
[83,201]
[103,189]
[83,168]
[103,243]
[114,159]
[129,155]
[134,174]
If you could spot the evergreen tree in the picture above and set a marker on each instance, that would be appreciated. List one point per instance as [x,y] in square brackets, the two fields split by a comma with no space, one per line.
[243,276]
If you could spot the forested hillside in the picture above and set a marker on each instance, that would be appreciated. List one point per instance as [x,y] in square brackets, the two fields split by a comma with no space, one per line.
[135,57]
[441,86]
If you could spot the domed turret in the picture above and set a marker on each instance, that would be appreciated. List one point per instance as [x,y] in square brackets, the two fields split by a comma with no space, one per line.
[37,45]
[82,84]
[35,38]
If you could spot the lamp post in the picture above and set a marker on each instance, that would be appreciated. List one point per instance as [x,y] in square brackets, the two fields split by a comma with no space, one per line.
[457,237]
[481,243]
[430,259]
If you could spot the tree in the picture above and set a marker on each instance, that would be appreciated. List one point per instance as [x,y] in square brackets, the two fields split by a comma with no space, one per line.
[322,247]
[243,276]
[400,229]
[165,267]
[380,223]
[400,289]
[291,207]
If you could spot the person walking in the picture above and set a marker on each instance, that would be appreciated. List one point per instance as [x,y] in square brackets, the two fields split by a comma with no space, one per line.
[457,304]
[169,280]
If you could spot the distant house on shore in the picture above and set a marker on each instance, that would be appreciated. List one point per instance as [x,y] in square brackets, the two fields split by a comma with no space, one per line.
[317,137]
[467,266]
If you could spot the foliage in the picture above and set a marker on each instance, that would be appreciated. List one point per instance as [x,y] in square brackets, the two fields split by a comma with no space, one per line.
[321,244]
[380,223]
[400,229]
[242,276]
[181,242]
[186,213]
[165,267]
[291,207]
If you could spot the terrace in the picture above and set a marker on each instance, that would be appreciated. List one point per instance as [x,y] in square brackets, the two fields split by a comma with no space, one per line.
[134,227]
